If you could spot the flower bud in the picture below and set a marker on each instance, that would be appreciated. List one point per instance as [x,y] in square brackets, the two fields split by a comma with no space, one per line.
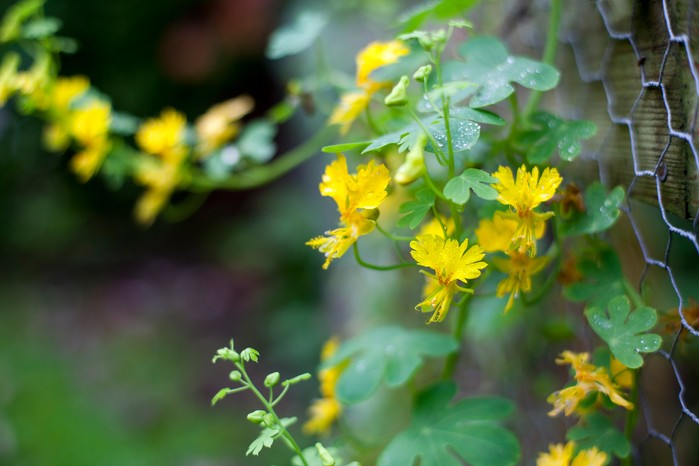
[399,95]
[422,73]
[272,379]
[325,457]
[414,164]
[257,416]
[235,376]
[269,420]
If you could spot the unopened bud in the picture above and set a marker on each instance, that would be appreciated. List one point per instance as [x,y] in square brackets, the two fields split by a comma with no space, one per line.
[235,376]
[257,416]
[422,73]
[399,95]
[325,457]
[414,164]
[272,379]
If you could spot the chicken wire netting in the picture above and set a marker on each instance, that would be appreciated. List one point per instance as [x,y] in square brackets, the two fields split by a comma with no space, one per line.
[637,60]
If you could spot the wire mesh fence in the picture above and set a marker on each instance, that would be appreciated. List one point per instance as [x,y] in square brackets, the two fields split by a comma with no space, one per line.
[641,56]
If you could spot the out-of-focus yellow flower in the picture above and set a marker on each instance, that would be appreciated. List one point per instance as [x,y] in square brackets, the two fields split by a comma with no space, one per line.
[55,137]
[621,375]
[496,234]
[163,136]
[436,227]
[523,194]
[86,162]
[588,379]
[326,410]
[89,125]
[220,123]
[560,455]
[350,107]
[8,74]
[63,92]
[374,56]
[519,269]
[451,262]
[160,179]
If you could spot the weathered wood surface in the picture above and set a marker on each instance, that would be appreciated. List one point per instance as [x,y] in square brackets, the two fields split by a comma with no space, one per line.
[651,89]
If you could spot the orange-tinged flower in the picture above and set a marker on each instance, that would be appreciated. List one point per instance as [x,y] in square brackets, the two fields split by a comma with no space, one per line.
[451,262]
[588,379]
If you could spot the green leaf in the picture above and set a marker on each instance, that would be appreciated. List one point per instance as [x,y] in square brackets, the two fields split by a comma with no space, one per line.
[219,164]
[623,331]
[468,431]
[40,28]
[444,9]
[257,141]
[416,210]
[464,134]
[553,133]
[337,148]
[123,123]
[603,280]
[404,138]
[297,36]
[391,354]
[267,437]
[458,189]
[599,432]
[475,114]
[11,25]
[490,66]
[601,211]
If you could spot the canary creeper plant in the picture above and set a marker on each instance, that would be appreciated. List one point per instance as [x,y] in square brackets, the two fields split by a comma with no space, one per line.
[431,122]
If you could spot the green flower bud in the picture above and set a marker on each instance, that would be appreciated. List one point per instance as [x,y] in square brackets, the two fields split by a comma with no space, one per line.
[399,95]
[414,165]
[325,457]
[257,416]
[235,376]
[422,73]
[227,354]
[297,379]
[272,379]
[269,420]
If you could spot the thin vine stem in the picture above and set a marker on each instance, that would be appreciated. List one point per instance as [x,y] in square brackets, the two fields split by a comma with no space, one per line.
[391,236]
[258,176]
[456,332]
[367,265]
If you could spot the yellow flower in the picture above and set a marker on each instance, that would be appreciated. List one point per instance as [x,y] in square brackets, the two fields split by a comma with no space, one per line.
[434,227]
[621,375]
[591,457]
[452,262]
[373,56]
[89,125]
[519,268]
[163,136]
[496,234]
[588,379]
[560,455]
[523,195]
[149,205]
[86,162]
[326,410]
[376,55]
[364,190]
[64,91]
[8,74]
[220,123]
[55,137]
[160,178]
[350,107]
[336,242]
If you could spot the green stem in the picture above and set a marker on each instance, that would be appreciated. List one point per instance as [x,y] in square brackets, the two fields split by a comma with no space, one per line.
[437,151]
[456,332]
[631,417]
[379,267]
[430,184]
[289,439]
[175,213]
[392,236]
[549,55]
[371,122]
[258,176]
[635,296]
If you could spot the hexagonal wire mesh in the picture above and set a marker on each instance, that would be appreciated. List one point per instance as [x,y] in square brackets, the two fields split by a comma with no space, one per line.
[644,54]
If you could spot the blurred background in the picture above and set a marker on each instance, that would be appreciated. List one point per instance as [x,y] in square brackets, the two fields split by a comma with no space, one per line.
[107,329]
